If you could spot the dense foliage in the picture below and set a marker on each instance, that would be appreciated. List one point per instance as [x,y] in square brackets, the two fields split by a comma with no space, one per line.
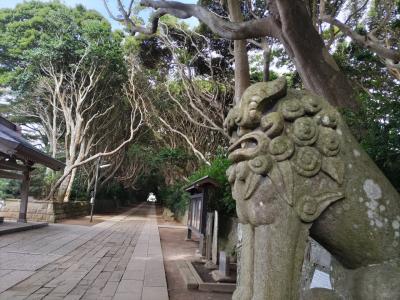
[36,32]
[377,122]
[176,199]
[64,70]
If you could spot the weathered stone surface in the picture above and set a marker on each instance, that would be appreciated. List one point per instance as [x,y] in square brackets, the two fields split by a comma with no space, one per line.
[297,171]
[187,275]
[224,264]
[44,211]
[223,272]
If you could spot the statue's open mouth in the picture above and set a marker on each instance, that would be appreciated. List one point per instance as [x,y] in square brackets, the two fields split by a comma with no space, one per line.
[248,146]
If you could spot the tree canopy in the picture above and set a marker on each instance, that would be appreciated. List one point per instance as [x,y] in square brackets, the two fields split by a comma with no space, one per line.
[66,70]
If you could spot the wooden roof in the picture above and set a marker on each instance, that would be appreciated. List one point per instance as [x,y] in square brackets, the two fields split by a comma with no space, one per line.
[206,180]
[14,147]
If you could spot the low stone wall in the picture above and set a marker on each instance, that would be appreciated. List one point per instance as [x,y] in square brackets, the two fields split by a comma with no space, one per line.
[71,209]
[45,211]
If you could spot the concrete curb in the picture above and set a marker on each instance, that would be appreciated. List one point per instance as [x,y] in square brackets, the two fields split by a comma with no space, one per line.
[11,227]
[193,280]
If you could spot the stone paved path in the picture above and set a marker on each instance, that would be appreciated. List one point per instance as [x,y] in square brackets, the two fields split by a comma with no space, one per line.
[117,259]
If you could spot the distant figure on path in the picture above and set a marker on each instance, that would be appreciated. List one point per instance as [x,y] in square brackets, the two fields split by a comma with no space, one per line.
[151,198]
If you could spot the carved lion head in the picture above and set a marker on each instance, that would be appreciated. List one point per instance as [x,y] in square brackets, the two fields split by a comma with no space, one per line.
[285,136]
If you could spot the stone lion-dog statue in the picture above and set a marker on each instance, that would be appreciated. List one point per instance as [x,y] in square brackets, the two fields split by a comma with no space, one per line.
[297,172]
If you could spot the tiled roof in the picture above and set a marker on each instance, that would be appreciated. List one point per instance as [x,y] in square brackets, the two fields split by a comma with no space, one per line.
[12,144]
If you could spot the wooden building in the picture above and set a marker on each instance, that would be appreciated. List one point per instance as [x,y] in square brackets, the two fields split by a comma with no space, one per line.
[17,160]
[198,206]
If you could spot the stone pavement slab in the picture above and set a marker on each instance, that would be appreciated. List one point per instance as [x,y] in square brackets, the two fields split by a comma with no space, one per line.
[117,259]
[12,227]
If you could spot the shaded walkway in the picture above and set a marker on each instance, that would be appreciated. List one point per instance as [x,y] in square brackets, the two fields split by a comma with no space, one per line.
[117,259]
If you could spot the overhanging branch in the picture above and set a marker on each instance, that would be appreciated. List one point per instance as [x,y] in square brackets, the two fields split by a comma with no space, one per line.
[230,30]
[368,41]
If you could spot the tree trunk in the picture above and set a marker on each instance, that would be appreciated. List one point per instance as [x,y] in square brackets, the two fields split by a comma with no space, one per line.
[62,189]
[266,60]
[69,187]
[316,67]
[65,187]
[75,145]
[242,72]
[54,130]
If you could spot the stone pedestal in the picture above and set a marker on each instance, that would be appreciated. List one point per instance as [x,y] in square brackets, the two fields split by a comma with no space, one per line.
[223,273]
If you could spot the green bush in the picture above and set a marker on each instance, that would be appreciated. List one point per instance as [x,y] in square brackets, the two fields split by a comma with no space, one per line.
[175,198]
[8,188]
[39,185]
[222,200]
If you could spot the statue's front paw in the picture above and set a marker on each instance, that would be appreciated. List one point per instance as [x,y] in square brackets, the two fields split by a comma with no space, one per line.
[242,293]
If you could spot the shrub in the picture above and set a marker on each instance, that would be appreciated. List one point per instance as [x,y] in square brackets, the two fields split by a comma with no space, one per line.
[175,198]
[222,200]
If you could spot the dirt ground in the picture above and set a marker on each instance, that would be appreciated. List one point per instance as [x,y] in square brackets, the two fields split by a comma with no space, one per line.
[174,247]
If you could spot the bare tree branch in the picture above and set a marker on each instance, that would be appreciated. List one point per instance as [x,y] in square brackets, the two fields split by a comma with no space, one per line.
[366,41]
[225,29]
[133,130]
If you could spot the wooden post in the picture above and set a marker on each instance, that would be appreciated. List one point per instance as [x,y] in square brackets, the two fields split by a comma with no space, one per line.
[93,199]
[214,247]
[23,208]
[189,234]
[190,219]
[209,234]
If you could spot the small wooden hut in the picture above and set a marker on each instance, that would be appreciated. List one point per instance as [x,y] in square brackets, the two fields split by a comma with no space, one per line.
[17,158]
[199,198]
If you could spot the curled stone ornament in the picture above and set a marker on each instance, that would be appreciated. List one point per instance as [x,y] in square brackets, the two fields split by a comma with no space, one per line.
[305,131]
[307,208]
[311,104]
[328,118]
[230,123]
[307,161]
[253,114]
[272,124]
[242,170]
[231,174]
[292,109]
[281,148]
[261,164]
[328,142]
[310,207]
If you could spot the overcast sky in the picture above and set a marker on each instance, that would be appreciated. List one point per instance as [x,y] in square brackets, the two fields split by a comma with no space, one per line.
[97,5]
